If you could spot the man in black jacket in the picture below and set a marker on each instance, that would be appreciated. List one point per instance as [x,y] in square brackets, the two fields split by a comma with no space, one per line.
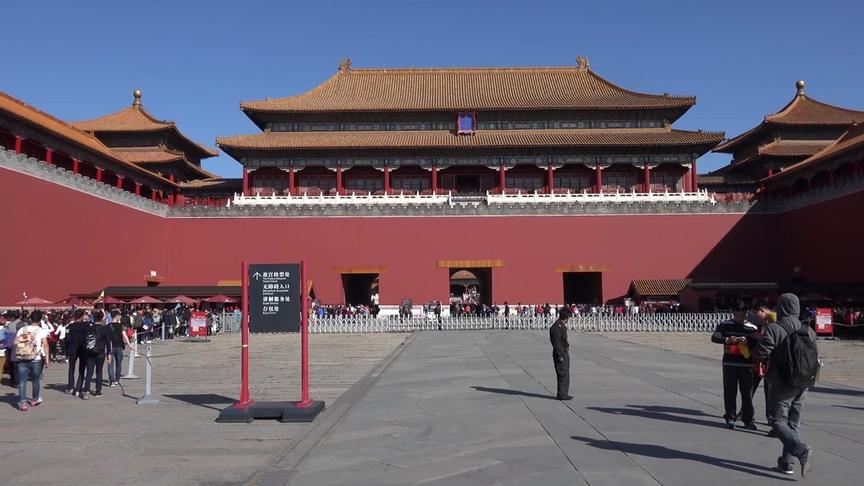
[561,353]
[784,399]
[96,347]
[737,365]
[76,334]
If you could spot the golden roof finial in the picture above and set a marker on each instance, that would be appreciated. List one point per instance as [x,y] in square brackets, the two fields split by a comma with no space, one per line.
[582,63]
[800,86]
[137,95]
[344,64]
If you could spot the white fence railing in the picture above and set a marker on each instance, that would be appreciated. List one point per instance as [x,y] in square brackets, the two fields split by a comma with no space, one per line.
[353,198]
[403,198]
[588,197]
[616,323]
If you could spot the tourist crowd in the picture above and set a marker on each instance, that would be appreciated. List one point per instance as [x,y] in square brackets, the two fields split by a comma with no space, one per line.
[85,339]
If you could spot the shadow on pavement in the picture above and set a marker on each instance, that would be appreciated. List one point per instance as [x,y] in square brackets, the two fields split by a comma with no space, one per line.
[847,406]
[205,400]
[837,391]
[11,398]
[507,391]
[671,414]
[662,452]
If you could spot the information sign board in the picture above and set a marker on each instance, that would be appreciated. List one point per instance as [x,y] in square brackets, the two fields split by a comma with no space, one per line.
[274,297]
[824,321]
[198,324]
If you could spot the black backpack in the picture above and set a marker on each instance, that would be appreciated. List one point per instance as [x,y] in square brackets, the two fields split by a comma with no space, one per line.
[92,343]
[798,359]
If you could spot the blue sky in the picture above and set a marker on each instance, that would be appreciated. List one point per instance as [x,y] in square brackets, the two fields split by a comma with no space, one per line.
[196,60]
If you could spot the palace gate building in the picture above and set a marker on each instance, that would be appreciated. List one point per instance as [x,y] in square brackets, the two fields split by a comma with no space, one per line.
[531,184]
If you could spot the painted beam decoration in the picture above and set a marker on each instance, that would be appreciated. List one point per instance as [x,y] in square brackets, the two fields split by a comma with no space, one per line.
[274,297]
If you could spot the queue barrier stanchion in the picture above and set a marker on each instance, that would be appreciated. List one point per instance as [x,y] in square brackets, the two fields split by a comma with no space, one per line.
[148,398]
[133,353]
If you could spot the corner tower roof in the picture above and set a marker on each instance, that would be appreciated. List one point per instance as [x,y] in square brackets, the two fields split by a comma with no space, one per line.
[136,119]
[801,111]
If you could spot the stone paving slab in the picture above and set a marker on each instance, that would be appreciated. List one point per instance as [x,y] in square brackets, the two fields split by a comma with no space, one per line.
[477,408]
[110,440]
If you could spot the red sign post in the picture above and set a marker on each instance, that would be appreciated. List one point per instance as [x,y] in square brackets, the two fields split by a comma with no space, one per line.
[247,410]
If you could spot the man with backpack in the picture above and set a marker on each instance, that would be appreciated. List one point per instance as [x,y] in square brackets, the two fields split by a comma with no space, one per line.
[31,348]
[96,346]
[793,363]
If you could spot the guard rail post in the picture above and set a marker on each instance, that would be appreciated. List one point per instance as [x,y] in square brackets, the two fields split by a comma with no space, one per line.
[148,397]
[133,352]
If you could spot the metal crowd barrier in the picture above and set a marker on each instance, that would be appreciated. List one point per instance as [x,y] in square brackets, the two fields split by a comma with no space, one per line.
[678,322]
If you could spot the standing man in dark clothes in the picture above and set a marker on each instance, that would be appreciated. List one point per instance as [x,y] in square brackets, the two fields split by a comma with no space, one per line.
[561,353]
[785,400]
[97,346]
[76,334]
[737,365]
[119,342]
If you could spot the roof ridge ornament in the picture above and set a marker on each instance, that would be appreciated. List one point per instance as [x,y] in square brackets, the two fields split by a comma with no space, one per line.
[582,63]
[344,64]
[799,85]
[137,95]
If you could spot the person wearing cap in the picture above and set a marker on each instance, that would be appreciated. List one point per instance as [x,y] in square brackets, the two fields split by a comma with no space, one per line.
[738,373]
[561,353]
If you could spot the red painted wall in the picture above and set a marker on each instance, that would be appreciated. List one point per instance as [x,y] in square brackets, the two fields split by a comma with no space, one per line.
[632,247]
[56,240]
[825,241]
[82,243]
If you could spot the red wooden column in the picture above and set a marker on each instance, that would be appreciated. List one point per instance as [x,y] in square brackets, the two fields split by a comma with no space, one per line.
[19,144]
[646,178]
[137,188]
[502,179]
[292,189]
[119,181]
[694,184]
[339,180]
[49,156]
[598,176]
[688,177]
[74,166]
[550,180]
[179,200]
[171,178]
[386,180]
[245,181]
[434,179]
[98,174]
[152,194]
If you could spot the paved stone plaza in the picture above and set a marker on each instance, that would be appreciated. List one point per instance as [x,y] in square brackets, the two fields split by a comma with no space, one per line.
[446,408]
[110,440]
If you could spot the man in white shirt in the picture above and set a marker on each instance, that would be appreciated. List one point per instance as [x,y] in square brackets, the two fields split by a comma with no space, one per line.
[32,361]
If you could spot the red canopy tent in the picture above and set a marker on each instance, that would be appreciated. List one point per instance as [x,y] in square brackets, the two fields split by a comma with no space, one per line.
[181,299]
[220,299]
[72,300]
[145,300]
[33,301]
